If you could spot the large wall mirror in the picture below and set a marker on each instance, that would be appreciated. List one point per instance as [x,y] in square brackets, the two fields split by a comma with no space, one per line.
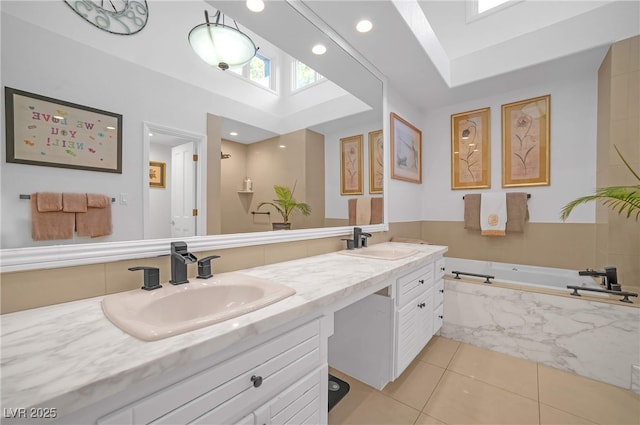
[174,104]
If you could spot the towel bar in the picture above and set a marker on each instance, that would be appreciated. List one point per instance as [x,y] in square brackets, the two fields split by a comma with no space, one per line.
[23,196]
[528,196]
[260,212]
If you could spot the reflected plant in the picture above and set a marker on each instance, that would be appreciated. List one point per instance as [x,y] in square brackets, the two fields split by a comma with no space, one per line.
[623,199]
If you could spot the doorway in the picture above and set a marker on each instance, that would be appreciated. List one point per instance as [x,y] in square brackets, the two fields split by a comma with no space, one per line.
[176,208]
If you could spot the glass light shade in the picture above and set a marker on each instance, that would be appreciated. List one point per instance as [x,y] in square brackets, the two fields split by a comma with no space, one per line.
[221,45]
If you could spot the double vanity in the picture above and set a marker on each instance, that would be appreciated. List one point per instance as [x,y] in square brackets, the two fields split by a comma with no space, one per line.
[367,313]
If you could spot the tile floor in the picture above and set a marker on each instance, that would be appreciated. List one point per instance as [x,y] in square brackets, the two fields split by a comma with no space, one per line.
[456,383]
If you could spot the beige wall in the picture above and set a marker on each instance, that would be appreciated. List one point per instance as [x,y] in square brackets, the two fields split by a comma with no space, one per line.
[38,288]
[301,162]
[618,237]
[561,245]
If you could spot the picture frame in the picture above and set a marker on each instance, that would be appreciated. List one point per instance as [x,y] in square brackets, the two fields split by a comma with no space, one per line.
[376,162]
[50,132]
[351,179]
[406,150]
[525,142]
[157,174]
[470,149]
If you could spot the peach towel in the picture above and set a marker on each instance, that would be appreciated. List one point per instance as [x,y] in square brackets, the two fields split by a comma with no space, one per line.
[97,220]
[517,211]
[48,201]
[472,211]
[52,224]
[376,210]
[74,202]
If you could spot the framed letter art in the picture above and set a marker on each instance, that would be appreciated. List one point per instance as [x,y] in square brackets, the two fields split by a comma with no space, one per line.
[55,133]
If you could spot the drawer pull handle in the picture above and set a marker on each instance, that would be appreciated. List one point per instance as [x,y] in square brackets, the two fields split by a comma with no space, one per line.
[421,305]
[421,281]
[257,380]
[442,268]
[441,316]
[442,291]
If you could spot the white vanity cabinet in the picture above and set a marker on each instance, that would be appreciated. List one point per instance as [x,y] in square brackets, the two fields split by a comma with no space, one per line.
[376,338]
[280,381]
[414,315]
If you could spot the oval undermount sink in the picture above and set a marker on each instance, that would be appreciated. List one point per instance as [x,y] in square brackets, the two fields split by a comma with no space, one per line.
[175,309]
[380,252]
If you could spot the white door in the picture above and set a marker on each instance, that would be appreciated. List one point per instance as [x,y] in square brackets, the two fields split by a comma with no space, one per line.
[183,191]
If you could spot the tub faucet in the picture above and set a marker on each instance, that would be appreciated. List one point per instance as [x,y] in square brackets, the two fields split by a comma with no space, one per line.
[609,277]
[360,237]
[180,257]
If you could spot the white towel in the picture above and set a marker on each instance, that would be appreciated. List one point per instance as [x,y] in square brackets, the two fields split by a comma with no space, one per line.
[493,214]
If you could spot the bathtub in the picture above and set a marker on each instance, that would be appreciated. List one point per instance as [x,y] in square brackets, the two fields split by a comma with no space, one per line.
[516,274]
[529,313]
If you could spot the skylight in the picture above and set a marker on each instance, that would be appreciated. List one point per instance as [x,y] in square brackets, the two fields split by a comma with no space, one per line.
[484,5]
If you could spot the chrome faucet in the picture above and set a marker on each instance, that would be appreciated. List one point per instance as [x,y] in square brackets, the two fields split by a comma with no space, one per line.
[180,257]
[609,277]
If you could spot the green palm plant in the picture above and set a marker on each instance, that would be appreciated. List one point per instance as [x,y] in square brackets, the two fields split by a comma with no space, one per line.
[286,203]
[623,199]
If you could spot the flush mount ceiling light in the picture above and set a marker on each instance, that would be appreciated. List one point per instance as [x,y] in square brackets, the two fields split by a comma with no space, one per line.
[364,26]
[255,5]
[319,49]
[221,45]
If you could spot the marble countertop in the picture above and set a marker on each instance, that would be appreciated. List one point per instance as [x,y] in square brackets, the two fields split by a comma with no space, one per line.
[68,356]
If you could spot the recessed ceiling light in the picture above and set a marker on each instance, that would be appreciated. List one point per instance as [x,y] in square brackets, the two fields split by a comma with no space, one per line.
[233,133]
[319,49]
[364,26]
[150,134]
[282,146]
[255,5]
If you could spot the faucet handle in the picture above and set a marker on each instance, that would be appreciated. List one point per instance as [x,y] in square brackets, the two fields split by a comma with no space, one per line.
[349,243]
[151,277]
[204,267]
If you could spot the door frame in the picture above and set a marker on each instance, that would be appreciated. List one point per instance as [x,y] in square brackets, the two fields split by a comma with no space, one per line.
[200,147]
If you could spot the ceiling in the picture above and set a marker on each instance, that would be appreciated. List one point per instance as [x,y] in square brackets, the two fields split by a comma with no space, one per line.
[433,54]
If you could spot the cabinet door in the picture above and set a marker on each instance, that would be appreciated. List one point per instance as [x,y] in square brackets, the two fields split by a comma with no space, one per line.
[425,319]
[438,293]
[414,283]
[439,268]
[406,336]
[438,318]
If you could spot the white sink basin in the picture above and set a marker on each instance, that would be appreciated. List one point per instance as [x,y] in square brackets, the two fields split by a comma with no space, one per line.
[380,252]
[175,309]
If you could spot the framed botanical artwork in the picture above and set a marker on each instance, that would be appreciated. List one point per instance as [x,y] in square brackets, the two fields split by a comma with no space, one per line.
[525,142]
[470,145]
[157,174]
[406,150]
[351,180]
[53,133]
[376,162]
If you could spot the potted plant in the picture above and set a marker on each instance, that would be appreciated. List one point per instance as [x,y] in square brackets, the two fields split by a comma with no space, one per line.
[623,199]
[285,205]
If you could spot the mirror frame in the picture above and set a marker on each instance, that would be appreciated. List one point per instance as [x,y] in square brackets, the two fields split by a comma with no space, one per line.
[56,256]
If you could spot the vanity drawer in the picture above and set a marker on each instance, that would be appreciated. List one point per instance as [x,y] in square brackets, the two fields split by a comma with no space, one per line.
[230,387]
[438,293]
[414,283]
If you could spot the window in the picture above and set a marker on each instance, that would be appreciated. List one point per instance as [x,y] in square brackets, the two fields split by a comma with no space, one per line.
[304,75]
[258,70]
[484,5]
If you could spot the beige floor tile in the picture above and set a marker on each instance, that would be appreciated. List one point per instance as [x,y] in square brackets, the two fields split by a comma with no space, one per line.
[439,351]
[415,385]
[459,399]
[596,401]
[552,416]
[427,420]
[507,372]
